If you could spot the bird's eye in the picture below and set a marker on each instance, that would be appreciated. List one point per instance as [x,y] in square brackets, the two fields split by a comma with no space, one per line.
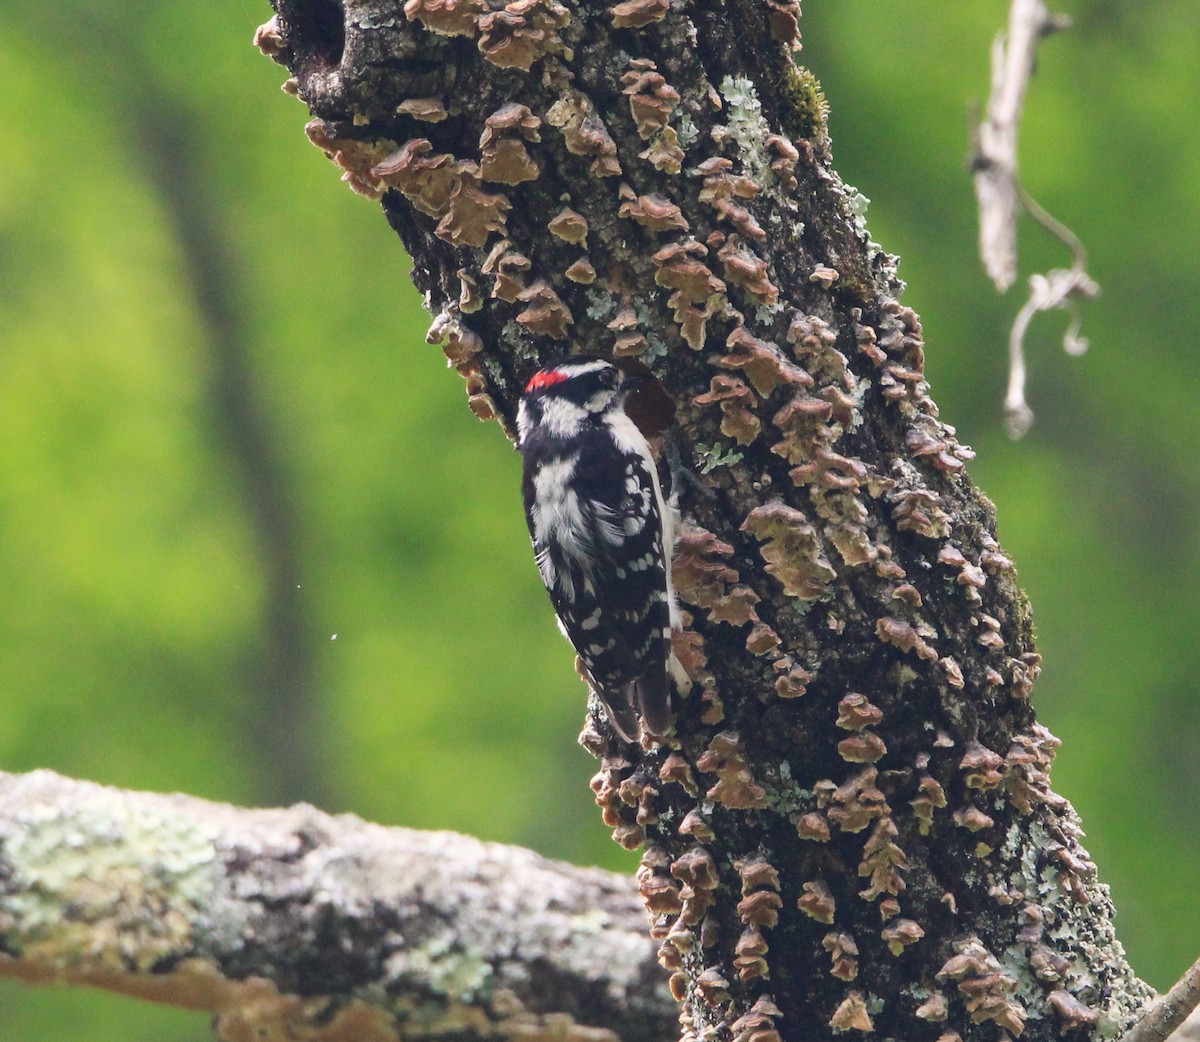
[608,377]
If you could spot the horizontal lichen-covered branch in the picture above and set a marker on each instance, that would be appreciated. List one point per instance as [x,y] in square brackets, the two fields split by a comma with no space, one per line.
[292,924]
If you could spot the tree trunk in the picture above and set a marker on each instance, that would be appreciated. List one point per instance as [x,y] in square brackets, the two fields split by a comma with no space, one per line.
[854,830]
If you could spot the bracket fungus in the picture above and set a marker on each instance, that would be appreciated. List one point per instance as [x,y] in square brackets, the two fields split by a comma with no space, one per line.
[817,901]
[735,788]
[792,550]
[851,1014]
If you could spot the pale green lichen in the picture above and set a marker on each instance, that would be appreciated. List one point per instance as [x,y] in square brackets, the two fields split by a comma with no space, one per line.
[594,922]
[687,131]
[714,456]
[600,304]
[446,968]
[764,314]
[858,204]
[1014,961]
[1088,941]
[656,346]
[783,795]
[749,129]
[857,389]
[371,22]
[517,337]
[493,367]
[96,860]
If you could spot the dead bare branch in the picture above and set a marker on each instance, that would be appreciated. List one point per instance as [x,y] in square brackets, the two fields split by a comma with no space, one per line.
[1170,1011]
[994,159]
[1002,200]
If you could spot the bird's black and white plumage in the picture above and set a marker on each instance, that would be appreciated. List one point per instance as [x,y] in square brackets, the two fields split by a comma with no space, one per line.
[603,537]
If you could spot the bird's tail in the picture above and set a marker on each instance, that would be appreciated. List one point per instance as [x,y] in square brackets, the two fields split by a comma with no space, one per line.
[620,714]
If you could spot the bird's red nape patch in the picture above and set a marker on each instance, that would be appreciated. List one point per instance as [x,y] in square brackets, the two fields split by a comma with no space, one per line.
[546,378]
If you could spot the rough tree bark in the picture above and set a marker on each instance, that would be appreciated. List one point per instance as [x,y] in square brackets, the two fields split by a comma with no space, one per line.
[854,830]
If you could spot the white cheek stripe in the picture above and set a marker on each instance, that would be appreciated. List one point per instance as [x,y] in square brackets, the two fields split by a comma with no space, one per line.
[573,369]
[561,418]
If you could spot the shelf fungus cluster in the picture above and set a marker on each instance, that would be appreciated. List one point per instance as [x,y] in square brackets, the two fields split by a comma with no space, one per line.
[852,829]
[869,552]
[679,895]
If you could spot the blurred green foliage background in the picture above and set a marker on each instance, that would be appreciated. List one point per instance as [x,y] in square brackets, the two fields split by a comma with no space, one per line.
[253,546]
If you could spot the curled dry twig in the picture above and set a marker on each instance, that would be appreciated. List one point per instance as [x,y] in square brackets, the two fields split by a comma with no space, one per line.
[1002,199]
[1058,288]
